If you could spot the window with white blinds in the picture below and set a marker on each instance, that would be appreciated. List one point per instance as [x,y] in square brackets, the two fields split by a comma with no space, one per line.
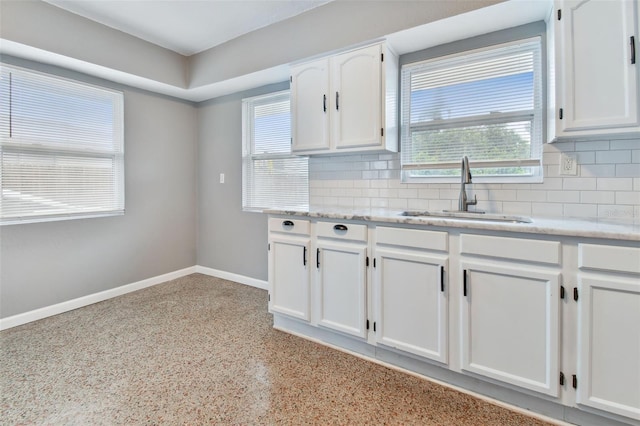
[272,176]
[61,148]
[485,104]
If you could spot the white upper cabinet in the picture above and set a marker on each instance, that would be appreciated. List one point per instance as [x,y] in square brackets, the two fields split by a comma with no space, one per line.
[345,103]
[596,80]
[357,111]
[309,100]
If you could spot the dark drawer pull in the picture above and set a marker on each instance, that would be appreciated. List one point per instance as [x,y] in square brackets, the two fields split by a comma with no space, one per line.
[287,223]
[340,227]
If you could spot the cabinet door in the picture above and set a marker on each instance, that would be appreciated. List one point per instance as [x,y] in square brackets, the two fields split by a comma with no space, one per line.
[600,80]
[342,286]
[356,88]
[510,324]
[310,106]
[609,344]
[411,303]
[289,276]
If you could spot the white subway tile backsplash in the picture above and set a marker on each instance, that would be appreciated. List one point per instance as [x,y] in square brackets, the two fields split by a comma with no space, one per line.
[618,211]
[546,209]
[624,144]
[582,184]
[418,204]
[398,203]
[586,157]
[528,195]
[615,184]
[597,170]
[627,197]
[628,170]
[580,210]
[503,195]
[607,184]
[591,146]
[516,207]
[563,196]
[615,157]
[408,193]
[597,197]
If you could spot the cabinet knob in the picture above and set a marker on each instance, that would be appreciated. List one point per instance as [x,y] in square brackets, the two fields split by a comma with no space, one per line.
[287,223]
[340,227]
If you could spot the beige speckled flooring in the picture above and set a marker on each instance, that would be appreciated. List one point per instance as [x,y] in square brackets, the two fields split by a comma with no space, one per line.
[200,350]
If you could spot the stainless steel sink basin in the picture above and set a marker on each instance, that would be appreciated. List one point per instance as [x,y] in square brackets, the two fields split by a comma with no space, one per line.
[486,217]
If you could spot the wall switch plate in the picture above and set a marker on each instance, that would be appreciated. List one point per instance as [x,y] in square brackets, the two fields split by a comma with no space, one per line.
[221,177]
[568,165]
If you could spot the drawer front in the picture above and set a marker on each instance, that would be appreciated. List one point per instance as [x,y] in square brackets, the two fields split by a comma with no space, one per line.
[511,248]
[609,258]
[342,231]
[289,226]
[415,238]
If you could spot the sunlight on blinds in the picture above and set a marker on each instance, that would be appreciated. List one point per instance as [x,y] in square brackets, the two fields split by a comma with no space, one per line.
[272,177]
[485,104]
[61,148]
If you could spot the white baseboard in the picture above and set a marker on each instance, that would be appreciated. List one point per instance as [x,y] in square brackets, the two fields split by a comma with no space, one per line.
[242,279]
[70,305]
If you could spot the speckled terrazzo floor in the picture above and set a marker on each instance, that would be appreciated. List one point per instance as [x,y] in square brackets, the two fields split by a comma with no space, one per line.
[200,350]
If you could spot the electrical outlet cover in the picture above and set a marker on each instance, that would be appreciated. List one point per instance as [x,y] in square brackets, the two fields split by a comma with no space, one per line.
[568,165]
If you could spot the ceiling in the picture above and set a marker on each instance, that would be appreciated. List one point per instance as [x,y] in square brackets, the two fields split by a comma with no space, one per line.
[187,26]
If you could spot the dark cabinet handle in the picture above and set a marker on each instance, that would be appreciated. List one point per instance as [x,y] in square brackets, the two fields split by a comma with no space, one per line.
[464,282]
[287,223]
[318,258]
[337,104]
[340,227]
[304,256]
[442,278]
[632,43]
[324,103]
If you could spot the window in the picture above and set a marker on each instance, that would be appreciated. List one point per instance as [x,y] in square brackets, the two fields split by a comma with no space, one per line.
[272,176]
[61,148]
[485,104]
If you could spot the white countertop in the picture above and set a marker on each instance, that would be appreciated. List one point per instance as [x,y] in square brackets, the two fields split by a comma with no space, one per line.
[590,228]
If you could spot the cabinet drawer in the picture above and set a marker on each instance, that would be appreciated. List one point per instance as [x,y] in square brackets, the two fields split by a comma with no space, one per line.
[511,248]
[342,231]
[289,226]
[609,258]
[415,238]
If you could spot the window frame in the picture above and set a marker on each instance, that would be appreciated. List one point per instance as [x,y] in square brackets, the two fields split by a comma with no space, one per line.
[250,157]
[536,115]
[56,152]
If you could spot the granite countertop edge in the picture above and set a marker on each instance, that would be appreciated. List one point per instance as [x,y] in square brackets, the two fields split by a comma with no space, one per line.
[571,227]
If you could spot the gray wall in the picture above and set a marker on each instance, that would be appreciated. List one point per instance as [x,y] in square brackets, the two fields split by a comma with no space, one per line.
[42,264]
[229,239]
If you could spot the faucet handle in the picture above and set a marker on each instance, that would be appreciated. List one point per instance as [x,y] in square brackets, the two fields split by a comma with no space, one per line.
[474,202]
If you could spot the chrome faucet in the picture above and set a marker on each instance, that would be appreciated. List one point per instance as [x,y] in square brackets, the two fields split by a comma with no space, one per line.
[463,204]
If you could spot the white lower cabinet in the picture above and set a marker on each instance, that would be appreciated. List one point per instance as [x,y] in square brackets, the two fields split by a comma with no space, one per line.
[289,243]
[609,329]
[341,263]
[411,312]
[486,306]
[510,313]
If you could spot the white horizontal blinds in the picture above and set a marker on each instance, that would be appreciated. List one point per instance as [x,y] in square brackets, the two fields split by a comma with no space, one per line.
[484,104]
[61,146]
[272,176]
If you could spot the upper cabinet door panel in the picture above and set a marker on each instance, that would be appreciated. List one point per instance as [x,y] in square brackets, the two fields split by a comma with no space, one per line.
[600,80]
[310,106]
[356,98]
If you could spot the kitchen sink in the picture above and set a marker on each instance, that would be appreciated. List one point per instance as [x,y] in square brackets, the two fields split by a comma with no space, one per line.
[486,217]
